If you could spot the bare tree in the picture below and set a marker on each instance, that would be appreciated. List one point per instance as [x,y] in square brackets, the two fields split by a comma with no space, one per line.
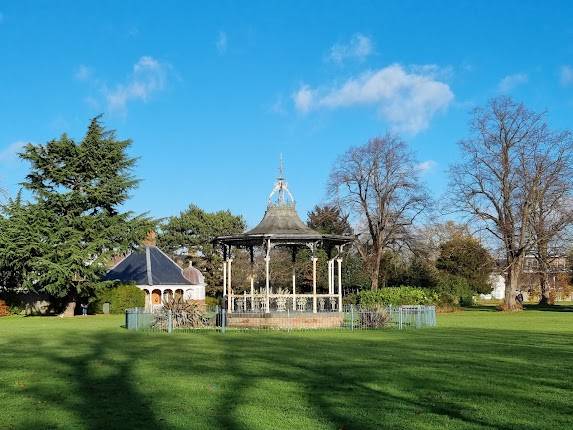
[553,211]
[497,182]
[378,184]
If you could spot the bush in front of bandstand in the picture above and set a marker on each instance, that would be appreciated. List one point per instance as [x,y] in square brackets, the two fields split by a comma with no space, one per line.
[211,301]
[120,298]
[183,314]
[376,317]
[396,296]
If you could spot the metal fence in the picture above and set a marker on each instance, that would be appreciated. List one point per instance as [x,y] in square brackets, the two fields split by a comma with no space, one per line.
[351,317]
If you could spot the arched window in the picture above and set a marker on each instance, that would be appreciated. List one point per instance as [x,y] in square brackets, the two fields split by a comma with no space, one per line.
[156,297]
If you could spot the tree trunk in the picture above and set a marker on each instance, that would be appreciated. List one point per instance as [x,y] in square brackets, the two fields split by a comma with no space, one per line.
[511,285]
[544,284]
[70,308]
[376,271]
[543,262]
[375,275]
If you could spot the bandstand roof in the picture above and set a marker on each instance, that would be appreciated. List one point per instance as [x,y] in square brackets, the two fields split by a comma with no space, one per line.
[282,224]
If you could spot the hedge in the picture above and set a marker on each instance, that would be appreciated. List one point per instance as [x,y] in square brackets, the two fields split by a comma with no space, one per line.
[120,298]
[397,296]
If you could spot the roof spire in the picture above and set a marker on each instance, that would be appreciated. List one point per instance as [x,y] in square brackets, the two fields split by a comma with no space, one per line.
[281,176]
[280,191]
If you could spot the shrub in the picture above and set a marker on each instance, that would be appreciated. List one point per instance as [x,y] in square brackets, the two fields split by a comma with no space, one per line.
[120,298]
[212,301]
[454,291]
[184,314]
[350,299]
[396,296]
[375,318]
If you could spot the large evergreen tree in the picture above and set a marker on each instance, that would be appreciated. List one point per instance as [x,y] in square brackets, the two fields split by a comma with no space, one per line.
[75,223]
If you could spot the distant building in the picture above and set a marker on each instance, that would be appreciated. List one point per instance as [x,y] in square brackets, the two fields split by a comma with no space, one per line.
[154,272]
[497,282]
[559,265]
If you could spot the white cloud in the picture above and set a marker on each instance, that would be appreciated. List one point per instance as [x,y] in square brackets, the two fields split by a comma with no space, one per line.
[148,77]
[10,153]
[303,98]
[83,73]
[407,100]
[426,166]
[222,42]
[509,82]
[359,47]
[566,75]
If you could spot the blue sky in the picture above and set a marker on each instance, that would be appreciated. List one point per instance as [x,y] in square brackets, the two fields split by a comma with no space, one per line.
[211,93]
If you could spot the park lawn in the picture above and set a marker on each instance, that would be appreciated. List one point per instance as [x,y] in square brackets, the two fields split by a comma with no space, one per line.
[477,369]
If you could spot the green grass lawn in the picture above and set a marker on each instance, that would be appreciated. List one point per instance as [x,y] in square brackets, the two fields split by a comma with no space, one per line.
[478,369]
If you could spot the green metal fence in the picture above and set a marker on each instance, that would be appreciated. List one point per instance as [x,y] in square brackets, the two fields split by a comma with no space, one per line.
[350,318]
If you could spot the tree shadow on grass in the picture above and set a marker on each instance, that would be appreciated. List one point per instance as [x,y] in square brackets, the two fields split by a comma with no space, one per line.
[373,383]
[481,308]
[94,388]
[457,378]
[526,307]
[549,308]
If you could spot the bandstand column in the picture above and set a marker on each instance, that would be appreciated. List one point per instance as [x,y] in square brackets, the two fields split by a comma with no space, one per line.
[229,284]
[252,277]
[333,275]
[267,284]
[314,260]
[224,279]
[294,279]
[329,276]
[267,281]
[293,288]
[339,261]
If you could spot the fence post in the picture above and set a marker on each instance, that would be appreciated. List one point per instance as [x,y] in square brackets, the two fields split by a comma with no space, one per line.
[351,317]
[400,310]
[223,320]
[288,320]
[136,319]
[170,321]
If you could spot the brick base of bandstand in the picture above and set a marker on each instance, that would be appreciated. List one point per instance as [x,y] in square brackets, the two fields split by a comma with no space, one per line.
[286,321]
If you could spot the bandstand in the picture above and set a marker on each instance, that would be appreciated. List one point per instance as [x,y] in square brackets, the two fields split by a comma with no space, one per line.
[281,227]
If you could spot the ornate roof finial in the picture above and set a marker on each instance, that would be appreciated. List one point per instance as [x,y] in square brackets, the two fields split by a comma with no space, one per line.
[280,190]
[281,176]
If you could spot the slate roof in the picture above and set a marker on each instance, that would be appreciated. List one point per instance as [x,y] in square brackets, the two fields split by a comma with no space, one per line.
[147,266]
[282,219]
[282,224]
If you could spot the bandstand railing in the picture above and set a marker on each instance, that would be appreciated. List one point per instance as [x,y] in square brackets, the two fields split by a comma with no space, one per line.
[283,302]
[350,318]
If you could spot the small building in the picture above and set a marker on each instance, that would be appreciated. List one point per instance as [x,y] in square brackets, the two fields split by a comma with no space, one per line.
[154,272]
